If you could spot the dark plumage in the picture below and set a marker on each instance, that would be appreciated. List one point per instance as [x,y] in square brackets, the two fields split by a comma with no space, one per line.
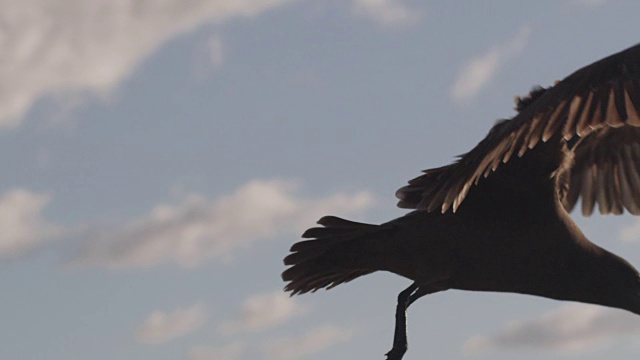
[496,220]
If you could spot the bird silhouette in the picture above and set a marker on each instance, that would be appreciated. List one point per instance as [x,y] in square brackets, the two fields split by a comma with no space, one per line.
[497,219]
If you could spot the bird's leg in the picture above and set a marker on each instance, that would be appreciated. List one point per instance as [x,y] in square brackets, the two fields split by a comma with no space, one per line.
[405,298]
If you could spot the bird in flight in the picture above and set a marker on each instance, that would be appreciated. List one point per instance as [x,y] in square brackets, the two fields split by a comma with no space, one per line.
[497,219]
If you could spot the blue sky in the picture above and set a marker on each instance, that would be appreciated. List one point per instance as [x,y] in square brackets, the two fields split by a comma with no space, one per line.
[160,158]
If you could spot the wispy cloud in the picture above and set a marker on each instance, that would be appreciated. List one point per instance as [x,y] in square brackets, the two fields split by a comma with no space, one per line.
[386,12]
[196,229]
[589,3]
[22,222]
[231,351]
[216,51]
[571,328]
[211,56]
[70,46]
[480,70]
[263,311]
[161,327]
[314,341]
[631,232]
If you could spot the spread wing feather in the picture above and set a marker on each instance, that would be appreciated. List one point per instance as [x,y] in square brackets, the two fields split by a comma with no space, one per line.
[606,172]
[599,105]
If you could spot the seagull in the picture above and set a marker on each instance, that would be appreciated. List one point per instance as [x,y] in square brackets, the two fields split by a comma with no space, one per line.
[497,219]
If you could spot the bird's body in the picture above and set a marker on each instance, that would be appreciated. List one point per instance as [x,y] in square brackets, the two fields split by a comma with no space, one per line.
[503,248]
[503,223]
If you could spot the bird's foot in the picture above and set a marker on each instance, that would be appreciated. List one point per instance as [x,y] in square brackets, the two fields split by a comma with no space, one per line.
[396,353]
[400,344]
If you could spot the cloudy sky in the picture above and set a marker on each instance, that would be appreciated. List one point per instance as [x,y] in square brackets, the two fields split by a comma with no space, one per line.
[160,157]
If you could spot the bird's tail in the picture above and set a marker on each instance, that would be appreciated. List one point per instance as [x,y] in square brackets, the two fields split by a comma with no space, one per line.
[338,252]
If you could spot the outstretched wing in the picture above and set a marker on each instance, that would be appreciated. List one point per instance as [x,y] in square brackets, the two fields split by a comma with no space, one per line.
[606,171]
[605,94]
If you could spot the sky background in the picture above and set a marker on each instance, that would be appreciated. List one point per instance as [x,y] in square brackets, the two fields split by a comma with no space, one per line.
[160,157]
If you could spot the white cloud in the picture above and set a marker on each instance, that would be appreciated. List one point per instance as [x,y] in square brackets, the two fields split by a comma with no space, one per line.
[71,46]
[231,351]
[161,327]
[571,328]
[631,232]
[196,229]
[23,226]
[479,71]
[263,311]
[314,341]
[386,12]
